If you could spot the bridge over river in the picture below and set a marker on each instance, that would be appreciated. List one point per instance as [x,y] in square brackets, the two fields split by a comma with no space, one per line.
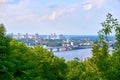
[68,48]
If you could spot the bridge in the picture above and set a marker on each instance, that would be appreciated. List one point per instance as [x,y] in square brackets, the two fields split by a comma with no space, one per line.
[68,48]
[53,49]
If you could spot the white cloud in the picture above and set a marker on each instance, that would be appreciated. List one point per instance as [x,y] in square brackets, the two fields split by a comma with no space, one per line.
[16,12]
[6,1]
[24,17]
[3,1]
[63,11]
[42,18]
[87,6]
[99,3]
[53,15]
[24,10]
[3,14]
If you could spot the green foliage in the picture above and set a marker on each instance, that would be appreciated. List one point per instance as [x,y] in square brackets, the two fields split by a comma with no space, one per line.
[23,63]
[18,62]
[54,43]
[102,65]
[2,30]
[4,40]
[75,70]
[107,64]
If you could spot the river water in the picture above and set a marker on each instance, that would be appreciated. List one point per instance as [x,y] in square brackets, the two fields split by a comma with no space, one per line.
[81,54]
[70,55]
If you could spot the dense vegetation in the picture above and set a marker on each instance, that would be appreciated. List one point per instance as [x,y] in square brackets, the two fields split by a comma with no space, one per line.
[18,62]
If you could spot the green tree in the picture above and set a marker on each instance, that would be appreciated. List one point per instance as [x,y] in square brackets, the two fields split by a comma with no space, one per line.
[108,26]
[2,30]
[4,40]
[4,52]
[18,62]
[107,64]
[74,70]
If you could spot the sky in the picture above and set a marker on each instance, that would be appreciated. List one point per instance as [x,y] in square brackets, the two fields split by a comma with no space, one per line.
[69,17]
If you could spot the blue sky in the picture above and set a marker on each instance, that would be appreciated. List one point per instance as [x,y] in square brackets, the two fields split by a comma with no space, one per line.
[73,17]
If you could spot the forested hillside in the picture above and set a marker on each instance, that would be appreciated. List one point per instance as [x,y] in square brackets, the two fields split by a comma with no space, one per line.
[18,62]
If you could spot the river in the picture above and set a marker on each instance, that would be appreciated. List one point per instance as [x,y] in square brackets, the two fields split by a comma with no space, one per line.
[70,55]
[80,53]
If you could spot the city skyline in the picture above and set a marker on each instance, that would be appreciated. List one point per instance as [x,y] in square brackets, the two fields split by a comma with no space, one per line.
[73,17]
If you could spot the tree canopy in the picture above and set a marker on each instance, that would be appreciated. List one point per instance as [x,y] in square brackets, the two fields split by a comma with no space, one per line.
[19,62]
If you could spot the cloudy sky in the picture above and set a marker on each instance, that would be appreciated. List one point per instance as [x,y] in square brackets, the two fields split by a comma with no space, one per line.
[77,17]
